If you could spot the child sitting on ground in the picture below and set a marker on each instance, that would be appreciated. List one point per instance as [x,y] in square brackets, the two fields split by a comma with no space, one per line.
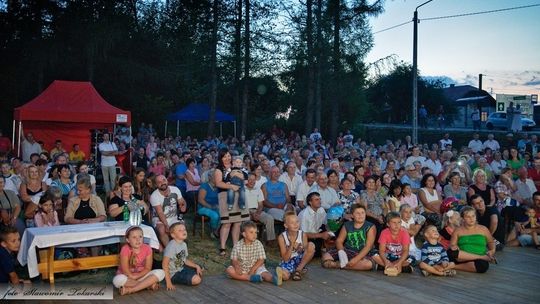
[434,259]
[247,259]
[237,176]
[295,250]
[178,268]
[46,215]
[135,271]
[407,222]
[10,242]
[354,244]
[529,227]
[394,245]
[451,220]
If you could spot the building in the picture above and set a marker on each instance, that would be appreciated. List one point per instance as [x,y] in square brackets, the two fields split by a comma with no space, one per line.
[466,98]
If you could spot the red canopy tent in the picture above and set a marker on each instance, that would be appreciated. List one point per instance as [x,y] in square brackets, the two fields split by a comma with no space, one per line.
[67,110]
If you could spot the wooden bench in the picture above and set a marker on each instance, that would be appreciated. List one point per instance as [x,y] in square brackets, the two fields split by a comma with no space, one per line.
[48,266]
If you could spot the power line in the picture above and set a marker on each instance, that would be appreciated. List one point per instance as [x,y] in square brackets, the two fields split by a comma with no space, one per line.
[480,13]
[458,15]
[392,27]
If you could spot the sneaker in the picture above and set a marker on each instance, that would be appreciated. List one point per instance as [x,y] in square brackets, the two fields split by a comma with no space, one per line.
[255,278]
[425,273]
[278,278]
[407,269]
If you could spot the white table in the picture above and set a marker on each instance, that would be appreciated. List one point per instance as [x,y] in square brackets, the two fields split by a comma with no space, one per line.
[83,235]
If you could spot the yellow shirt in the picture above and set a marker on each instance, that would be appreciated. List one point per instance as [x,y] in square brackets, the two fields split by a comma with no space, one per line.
[77,156]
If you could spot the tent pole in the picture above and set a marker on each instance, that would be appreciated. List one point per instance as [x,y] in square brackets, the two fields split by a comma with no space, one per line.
[221,129]
[130,152]
[19,141]
[177,128]
[234,124]
[13,136]
[165,133]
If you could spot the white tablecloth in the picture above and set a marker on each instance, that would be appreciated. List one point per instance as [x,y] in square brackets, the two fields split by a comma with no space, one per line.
[83,235]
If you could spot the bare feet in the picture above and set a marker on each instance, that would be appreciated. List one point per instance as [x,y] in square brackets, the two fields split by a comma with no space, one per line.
[124,290]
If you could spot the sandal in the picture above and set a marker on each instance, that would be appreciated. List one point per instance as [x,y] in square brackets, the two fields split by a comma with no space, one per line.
[223,252]
[297,276]
[449,273]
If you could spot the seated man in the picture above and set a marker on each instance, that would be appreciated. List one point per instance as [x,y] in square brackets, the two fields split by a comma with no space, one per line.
[166,200]
[313,222]
[328,195]
[254,202]
[304,187]
[276,195]
[76,155]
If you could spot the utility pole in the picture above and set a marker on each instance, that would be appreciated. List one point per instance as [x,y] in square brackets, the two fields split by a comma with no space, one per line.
[415,75]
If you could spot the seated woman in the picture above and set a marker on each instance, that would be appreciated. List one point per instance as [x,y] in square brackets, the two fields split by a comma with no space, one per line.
[469,242]
[347,197]
[83,170]
[32,189]
[85,208]
[117,203]
[66,185]
[208,202]
[430,199]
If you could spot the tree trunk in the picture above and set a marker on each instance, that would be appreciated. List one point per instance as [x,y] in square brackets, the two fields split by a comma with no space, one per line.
[245,95]
[334,116]
[213,69]
[311,73]
[318,67]
[237,59]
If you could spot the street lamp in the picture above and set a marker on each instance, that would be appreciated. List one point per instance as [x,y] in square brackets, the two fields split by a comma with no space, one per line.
[415,72]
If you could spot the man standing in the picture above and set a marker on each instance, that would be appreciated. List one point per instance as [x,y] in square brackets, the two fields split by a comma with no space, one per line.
[422,115]
[181,169]
[166,201]
[29,146]
[475,117]
[255,203]
[108,151]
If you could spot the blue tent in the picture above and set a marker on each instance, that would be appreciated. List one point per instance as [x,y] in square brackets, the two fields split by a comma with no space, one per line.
[197,112]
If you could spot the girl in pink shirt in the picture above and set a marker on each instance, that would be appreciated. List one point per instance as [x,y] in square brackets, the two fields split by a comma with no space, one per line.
[46,215]
[135,271]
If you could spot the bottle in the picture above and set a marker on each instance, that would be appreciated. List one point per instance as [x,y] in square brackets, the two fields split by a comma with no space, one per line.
[125,213]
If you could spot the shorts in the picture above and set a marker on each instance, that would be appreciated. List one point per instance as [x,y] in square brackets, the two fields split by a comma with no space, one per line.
[292,263]
[392,258]
[120,280]
[351,254]
[527,240]
[185,276]
[170,221]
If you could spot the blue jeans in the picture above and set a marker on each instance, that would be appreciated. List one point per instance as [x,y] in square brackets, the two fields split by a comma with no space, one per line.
[242,194]
[212,214]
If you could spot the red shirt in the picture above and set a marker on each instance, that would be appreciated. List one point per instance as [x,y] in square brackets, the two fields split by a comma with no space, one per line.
[535,176]
[5,144]
[394,246]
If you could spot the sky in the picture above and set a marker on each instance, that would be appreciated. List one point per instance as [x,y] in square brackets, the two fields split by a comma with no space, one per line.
[504,46]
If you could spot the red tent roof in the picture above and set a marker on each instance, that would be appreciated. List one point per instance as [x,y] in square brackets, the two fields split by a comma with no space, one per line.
[71,101]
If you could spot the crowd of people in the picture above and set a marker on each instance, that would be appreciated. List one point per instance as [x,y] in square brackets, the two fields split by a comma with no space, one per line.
[356,205]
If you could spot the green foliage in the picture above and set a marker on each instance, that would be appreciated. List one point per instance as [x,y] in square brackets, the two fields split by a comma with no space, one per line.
[395,90]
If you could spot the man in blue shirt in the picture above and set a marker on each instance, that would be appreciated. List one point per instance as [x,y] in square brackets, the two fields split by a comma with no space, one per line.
[181,169]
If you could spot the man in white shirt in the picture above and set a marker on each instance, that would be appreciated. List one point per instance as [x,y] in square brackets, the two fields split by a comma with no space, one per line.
[415,156]
[291,179]
[29,146]
[108,151]
[315,136]
[497,164]
[304,187]
[491,143]
[254,202]
[328,195]
[525,186]
[476,144]
[12,181]
[433,163]
[446,141]
[166,201]
[313,222]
